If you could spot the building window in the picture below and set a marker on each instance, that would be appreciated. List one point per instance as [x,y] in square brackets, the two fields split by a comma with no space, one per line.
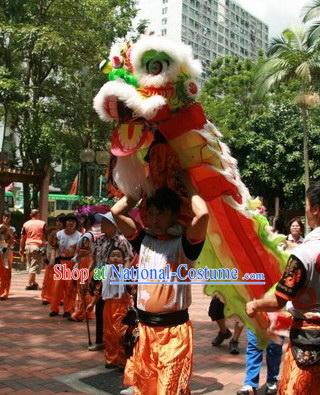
[164,21]
[164,10]
[163,32]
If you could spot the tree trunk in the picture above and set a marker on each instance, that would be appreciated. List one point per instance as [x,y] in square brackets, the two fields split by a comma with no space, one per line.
[2,199]
[305,116]
[276,207]
[35,192]
[44,191]
[26,201]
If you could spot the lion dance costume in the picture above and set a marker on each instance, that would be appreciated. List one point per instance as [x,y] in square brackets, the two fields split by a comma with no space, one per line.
[162,138]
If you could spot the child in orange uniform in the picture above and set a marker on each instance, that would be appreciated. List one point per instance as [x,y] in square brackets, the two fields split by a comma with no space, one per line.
[7,240]
[117,302]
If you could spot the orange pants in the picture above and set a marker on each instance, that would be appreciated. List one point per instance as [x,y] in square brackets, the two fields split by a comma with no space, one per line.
[296,380]
[113,313]
[65,290]
[48,283]
[83,298]
[162,361]
[5,275]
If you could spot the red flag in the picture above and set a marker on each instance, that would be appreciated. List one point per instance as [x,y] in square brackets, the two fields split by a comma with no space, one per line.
[74,186]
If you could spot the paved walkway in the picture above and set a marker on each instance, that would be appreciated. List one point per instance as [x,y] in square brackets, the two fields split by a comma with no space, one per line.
[44,355]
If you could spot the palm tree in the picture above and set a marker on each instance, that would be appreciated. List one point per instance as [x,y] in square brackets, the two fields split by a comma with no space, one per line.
[293,56]
[311,12]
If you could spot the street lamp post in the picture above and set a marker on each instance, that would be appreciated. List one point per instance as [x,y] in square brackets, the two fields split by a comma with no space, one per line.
[90,160]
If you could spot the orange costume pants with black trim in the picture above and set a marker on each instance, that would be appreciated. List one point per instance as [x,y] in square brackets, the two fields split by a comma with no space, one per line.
[83,297]
[5,274]
[297,380]
[65,290]
[48,284]
[162,361]
[114,330]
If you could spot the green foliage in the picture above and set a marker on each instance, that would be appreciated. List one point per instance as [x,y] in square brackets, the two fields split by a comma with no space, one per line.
[293,56]
[264,136]
[49,56]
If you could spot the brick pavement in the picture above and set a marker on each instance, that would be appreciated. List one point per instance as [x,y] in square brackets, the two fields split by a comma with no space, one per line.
[36,350]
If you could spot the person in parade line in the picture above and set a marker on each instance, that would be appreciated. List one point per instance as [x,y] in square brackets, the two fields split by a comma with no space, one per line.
[110,238]
[300,285]
[216,314]
[162,357]
[83,260]
[51,254]
[117,302]
[65,289]
[32,240]
[7,241]
[296,232]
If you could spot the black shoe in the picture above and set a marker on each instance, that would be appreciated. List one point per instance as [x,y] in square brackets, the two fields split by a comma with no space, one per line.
[53,314]
[66,315]
[234,347]
[271,389]
[221,337]
[45,302]
[33,287]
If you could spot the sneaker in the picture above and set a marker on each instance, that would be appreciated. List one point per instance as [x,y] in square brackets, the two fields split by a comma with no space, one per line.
[53,314]
[127,391]
[221,337]
[96,347]
[66,315]
[271,388]
[234,347]
[33,287]
[247,390]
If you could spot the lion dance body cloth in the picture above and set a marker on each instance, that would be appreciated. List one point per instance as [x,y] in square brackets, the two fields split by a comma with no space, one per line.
[162,138]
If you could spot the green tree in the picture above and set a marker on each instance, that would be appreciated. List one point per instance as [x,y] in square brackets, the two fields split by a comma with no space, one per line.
[293,56]
[263,136]
[311,12]
[49,53]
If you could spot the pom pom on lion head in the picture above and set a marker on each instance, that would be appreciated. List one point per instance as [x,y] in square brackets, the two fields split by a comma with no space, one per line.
[157,77]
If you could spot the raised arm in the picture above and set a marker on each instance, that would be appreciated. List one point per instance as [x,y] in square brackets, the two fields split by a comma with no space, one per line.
[197,229]
[119,211]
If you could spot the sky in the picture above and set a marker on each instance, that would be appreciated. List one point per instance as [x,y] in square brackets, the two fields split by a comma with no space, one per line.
[277,14]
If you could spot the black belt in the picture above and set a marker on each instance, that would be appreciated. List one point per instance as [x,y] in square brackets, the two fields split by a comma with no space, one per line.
[163,319]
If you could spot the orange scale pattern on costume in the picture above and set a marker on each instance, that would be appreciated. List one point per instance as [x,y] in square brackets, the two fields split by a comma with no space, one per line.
[296,380]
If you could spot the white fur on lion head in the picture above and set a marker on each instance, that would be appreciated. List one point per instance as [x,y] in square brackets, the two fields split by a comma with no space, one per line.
[181,54]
